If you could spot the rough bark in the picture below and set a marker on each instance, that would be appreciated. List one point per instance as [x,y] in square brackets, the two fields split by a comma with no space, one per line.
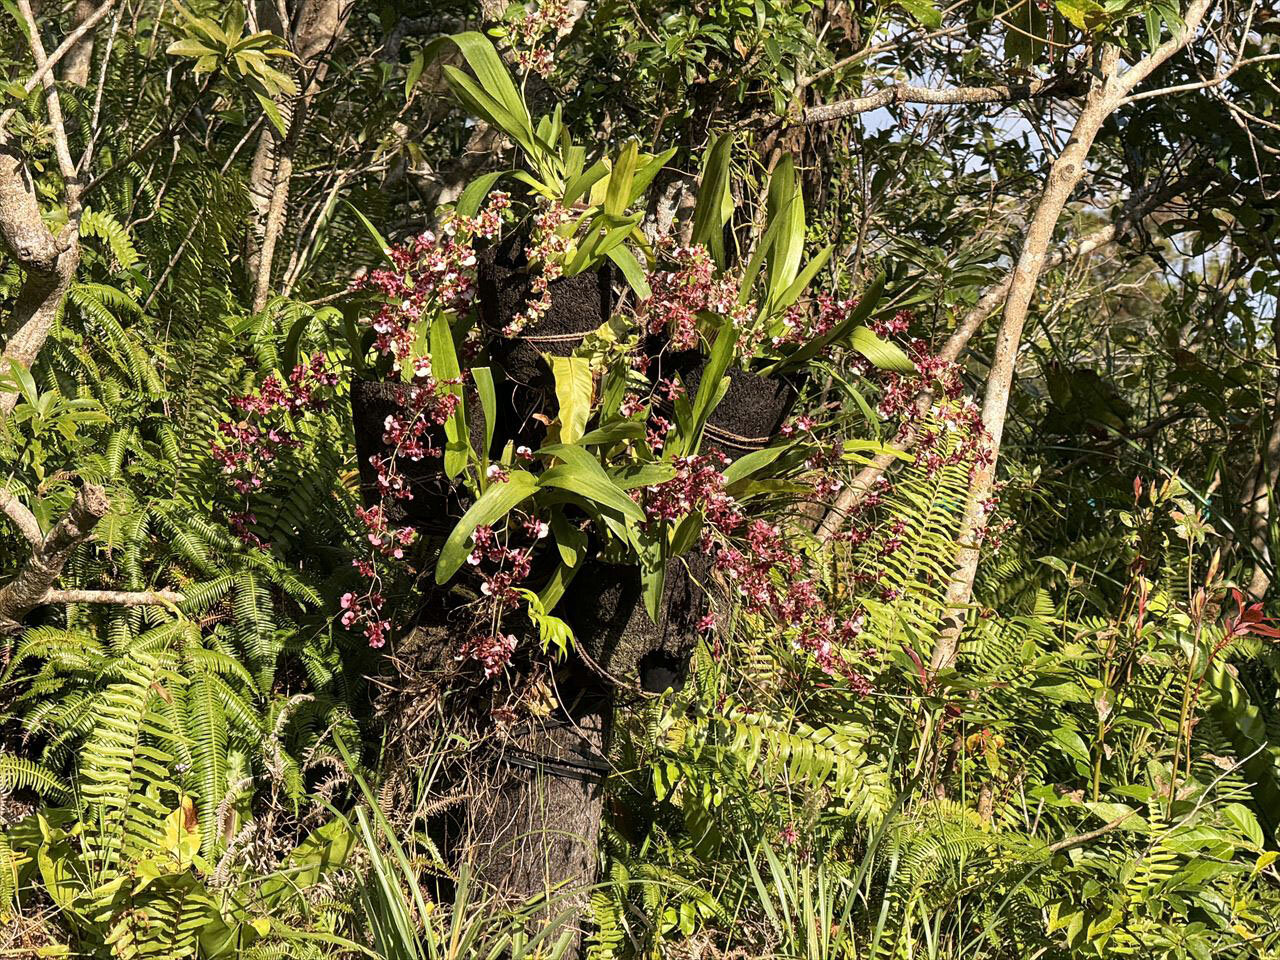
[48,262]
[1107,93]
[80,58]
[320,26]
[36,577]
[536,823]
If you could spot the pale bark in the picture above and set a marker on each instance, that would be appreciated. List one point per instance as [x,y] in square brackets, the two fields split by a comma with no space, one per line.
[1108,92]
[911,93]
[320,26]
[48,262]
[36,577]
[1260,487]
[1064,175]
[117,598]
[79,59]
[21,517]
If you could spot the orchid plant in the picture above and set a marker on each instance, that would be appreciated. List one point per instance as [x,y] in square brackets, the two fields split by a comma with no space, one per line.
[585,212]
[624,474]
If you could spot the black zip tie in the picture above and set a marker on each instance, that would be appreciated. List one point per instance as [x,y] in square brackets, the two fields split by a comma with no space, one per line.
[586,772]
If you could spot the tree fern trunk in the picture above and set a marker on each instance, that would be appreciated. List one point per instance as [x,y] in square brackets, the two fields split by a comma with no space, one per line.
[534,826]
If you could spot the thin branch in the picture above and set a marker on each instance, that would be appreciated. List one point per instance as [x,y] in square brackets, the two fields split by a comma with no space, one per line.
[54,105]
[910,93]
[1080,839]
[903,39]
[43,70]
[120,598]
[1213,81]
[990,301]
[1130,78]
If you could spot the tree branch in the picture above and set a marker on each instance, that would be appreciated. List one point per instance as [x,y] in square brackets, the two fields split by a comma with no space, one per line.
[1080,839]
[22,518]
[991,300]
[36,577]
[1068,168]
[54,106]
[48,261]
[44,70]
[121,598]
[910,93]
[78,46]
[321,25]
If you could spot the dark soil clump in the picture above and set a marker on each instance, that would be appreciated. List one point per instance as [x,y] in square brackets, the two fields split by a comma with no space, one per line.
[605,607]
[751,413]
[579,305]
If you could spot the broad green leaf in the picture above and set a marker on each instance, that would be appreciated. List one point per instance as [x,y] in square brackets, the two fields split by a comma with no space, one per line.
[483,379]
[653,578]
[584,181]
[715,199]
[444,367]
[1242,817]
[273,112]
[785,206]
[587,479]
[495,81]
[1070,741]
[574,390]
[712,386]
[751,464]
[642,475]
[473,197]
[771,231]
[1114,811]
[416,66]
[1084,14]
[550,594]
[648,168]
[1025,33]
[885,355]
[494,504]
[801,282]
[614,432]
[618,194]
[634,273]
[922,12]
[486,108]
[189,47]
[570,541]
[373,231]
[685,535]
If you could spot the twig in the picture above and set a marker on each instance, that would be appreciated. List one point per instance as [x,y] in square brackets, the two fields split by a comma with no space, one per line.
[1080,839]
